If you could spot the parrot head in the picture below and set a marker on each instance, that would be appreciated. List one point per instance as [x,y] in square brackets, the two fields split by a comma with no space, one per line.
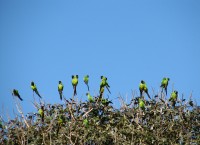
[32,83]
[103,78]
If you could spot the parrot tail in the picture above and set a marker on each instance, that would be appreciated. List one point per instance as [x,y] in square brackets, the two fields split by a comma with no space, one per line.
[88,87]
[101,93]
[75,93]
[173,104]
[20,98]
[148,95]
[166,91]
[143,108]
[108,89]
[140,93]
[36,91]
[60,92]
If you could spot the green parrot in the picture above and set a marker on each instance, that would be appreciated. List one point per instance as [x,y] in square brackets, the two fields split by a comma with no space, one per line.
[143,88]
[173,98]
[60,89]
[86,123]
[141,104]
[164,84]
[86,80]
[16,93]
[34,88]
[90,98]
[41,113]
[104,83]
[74,83]
[105,102]
[61,120]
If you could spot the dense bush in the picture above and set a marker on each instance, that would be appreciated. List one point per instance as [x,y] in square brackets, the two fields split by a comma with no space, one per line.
[97,122]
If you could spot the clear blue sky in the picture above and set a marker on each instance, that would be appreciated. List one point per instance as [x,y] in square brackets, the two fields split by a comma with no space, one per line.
[47,41]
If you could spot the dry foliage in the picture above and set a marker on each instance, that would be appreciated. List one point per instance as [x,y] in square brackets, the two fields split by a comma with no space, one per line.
[92,123]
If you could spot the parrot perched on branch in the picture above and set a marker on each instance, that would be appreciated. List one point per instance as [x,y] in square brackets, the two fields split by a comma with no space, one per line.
[164,84]
[90,98]
[143,88]
[173,98]
[75,83]
[41,113]
[16,93]
[86,80]
[103,84]
[34,88]
[141,104]
[60,89]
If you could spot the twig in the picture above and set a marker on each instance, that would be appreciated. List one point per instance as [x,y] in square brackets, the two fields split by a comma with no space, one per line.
[87,112]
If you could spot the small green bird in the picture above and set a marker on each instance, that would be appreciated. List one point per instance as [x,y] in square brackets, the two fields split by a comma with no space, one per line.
[86,123]
[104,83]
[16,93]
[90,98]
[75,83]
[41,113]
[164,84]
[86,80]
[34,88]
[173,98]
[141,104]
[60,89]
[143,88]
[61,120]
[105,102]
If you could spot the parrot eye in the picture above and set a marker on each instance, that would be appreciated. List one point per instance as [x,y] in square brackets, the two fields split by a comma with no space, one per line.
[72,76]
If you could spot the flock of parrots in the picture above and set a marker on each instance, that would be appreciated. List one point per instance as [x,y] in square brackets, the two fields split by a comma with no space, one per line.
[104,84]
